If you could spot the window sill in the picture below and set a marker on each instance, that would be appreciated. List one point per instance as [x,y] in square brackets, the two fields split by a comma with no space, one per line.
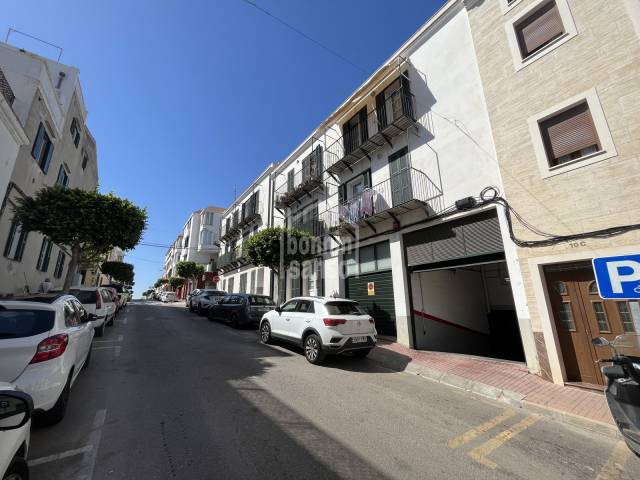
[551,46]
[587,160]
[506,8]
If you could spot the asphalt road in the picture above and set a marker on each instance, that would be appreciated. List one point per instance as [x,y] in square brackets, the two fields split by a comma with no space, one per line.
[169,394]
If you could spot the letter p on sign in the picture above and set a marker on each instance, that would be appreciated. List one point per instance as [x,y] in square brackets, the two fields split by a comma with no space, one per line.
[618,277]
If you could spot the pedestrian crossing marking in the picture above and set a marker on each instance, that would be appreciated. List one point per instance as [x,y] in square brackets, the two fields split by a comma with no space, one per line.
[480,429]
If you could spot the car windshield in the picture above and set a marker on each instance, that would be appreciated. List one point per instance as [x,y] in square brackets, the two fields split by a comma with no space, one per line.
[260,300]
[344,308]
[21,323]
[85,296]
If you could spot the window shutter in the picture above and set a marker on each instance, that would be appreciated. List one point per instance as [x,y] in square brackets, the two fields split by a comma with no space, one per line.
[290,180]
[47,158]
[367,179]
[407,104]
[364,129]
[10,238]
[342,193]
[569,132]
[540,28]
[381,110]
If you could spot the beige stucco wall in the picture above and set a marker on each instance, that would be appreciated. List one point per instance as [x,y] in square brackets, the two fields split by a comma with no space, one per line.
[605,56]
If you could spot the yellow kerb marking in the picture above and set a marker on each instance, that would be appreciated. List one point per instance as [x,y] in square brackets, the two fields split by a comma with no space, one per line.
[479,454]
[615,464]
[480,429]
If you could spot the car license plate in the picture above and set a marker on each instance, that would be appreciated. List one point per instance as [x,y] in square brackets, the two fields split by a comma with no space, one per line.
[358,339]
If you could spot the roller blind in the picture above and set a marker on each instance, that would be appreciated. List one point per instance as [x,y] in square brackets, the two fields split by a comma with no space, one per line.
[569,132]
[544,25]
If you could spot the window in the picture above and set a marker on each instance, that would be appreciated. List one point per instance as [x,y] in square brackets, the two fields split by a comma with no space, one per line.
[570,135]
[601,317]
[207,218]
[75,132]
[626,317]
[21,323]
[70,315]
[290,306]
[16,241]
[63,178]
[231,281]
[560,288]
[206,237]
[42,150]
[243,283]
[57,272]
[539,28]
[593,288]
[344,308]
[305,306]
[85,160]
[372,258]
[566,317]
[45,255]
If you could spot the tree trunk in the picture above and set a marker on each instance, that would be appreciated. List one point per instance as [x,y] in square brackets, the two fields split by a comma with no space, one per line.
[282,288]
[76,254]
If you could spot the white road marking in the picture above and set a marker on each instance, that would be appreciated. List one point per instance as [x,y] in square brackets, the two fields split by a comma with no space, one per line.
[105,347]
[125,320]
[60,456]
[88,463]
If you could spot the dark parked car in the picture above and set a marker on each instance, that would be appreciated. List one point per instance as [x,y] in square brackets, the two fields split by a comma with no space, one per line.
[241,309]
[204,299]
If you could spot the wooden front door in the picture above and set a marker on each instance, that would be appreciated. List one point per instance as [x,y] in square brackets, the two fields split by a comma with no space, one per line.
[581,315]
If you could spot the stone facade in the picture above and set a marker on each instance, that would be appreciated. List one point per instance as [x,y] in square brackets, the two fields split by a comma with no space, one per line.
[604,56]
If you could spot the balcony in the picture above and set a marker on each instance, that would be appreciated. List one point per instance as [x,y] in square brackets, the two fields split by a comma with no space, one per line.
[392,116]
[301,182]
[251,212]
[231,229]
[230,260]
[407,190]
[5,89]
[315,226]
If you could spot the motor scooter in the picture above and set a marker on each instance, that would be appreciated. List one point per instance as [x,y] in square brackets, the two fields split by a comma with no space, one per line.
[623,385]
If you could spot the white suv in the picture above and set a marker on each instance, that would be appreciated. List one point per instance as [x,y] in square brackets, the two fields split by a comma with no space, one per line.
[45,340]
[321,325]
[96,300]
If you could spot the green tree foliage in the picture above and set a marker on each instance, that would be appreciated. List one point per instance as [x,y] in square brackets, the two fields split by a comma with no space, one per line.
[160,282]
[190,270]
[278,248]
[176,282]
[120,271]
[82,219]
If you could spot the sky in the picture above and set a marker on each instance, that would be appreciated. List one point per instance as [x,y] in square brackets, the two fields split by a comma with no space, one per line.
[190,100]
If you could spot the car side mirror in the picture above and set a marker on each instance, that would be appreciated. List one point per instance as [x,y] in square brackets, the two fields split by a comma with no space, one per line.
[89,317]
[15,409]
[278,309]
[600,342]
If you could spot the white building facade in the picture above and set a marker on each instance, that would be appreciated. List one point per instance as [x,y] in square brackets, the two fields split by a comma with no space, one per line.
[60,151]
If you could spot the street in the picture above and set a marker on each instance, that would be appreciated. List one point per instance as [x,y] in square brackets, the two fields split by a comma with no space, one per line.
[169,394]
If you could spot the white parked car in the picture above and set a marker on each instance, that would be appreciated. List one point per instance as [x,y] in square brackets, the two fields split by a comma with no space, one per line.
[98,301]
[45,340]
[321,325]
[168,297]
[15,426]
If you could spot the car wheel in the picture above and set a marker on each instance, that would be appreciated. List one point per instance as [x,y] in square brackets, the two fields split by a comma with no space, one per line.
[56,414]
[110,324]
[265,332]
[18,470]
[88,359]
[361,353]
[234,321]
[199,309]
[313,349]
[100,330]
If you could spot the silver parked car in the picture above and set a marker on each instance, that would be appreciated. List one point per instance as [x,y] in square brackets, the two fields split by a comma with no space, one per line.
[205,299]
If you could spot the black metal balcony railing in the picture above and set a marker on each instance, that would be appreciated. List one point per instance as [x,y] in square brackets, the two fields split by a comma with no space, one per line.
[231,259]
[251,210]
[231,229]
[403,191]
[392,116]
[314,226]
[5,88]
[303,181]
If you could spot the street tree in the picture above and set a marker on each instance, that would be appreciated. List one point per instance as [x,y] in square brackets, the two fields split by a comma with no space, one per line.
[190,270]
[81,220]
[176,282]
[120,271]
[160,282]
[279,248]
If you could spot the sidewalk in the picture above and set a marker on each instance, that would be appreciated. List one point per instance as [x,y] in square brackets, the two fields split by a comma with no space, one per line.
[502,380]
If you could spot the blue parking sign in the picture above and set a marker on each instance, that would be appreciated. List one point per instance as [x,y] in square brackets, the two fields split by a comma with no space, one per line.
[618,277]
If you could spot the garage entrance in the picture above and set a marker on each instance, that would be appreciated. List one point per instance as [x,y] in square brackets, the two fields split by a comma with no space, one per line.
[580,315]
[460,289]
[467,309]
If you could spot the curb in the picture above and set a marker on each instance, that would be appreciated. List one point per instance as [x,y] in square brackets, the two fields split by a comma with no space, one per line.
[514,399]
